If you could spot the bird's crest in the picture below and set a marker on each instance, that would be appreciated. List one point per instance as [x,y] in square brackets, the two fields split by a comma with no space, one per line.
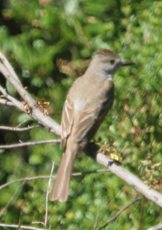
[105,53]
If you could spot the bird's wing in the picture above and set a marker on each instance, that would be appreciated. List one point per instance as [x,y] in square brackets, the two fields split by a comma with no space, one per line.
[91,116]
[67,119]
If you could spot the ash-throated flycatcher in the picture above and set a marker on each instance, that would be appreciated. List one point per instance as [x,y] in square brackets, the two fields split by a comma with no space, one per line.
[88,101]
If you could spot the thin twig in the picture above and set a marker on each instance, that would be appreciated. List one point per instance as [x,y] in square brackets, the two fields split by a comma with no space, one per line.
[25,179]
[26,120]
[37,222]
[90,172]
[16,103]
[142,213]
[52,177]
[120,212]
[47,195]
[21,226]
[9,202]
[29,144]
[19,129]
[6,102]
[96,222]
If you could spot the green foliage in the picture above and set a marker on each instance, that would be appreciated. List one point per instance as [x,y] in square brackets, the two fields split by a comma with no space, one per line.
[35,35]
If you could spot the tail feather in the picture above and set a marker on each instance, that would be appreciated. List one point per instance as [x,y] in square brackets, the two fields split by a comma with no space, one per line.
[61,185]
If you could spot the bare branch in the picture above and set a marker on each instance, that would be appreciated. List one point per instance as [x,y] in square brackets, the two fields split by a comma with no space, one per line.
[35,112]
[125,175]
[47,195]
[19,129]
[6,102]
[8,66]
[53,177]
[25,179]
[26,120]
[37,222]
[120,212]
[90,172]
[5,208]
[120,172]
[20,145]
[21,226]
[16,103]
[95,224]
[156,227]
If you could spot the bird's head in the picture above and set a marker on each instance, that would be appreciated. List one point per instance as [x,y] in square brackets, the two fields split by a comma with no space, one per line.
[108,61]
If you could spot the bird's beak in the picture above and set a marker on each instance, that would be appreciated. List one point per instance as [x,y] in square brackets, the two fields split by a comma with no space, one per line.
[125,63]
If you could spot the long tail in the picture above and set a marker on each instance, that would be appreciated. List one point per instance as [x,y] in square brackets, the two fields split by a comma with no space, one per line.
[61,185]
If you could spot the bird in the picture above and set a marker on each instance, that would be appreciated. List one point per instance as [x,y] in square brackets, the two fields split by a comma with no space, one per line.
[87,103]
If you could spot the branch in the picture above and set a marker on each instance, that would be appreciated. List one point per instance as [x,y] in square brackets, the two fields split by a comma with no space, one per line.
[19,129]
[35,112]
[14,101]
[6,102]
[24,121]
[5,208]
[53,177]
[156,227]
[124,174]
[9,67]
[47,195]
[28,144]
[120,212]
[21,226]
[47,199]
[25,179]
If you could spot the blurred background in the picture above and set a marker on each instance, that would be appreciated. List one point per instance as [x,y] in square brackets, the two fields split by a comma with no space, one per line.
[49,43]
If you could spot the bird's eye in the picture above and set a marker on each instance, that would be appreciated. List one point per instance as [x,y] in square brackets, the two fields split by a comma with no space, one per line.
[112,61]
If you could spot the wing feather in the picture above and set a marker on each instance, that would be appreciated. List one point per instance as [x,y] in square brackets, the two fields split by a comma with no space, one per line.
[91,116]
[67,120]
